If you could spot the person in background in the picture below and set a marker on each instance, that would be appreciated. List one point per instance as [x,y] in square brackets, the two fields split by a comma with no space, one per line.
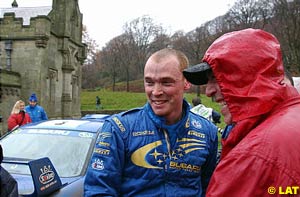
[18,116]
[243,71]
[35,111]
[8,185]
[206,112]
[160,149]
[98,103]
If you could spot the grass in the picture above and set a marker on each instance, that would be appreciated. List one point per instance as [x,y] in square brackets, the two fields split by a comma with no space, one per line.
[127,100]
[112,100]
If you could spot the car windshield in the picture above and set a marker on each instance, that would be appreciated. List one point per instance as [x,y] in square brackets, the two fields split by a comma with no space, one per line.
[67,150]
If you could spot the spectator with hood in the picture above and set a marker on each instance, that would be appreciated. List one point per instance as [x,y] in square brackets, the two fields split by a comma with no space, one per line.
[35,111]
[243,71]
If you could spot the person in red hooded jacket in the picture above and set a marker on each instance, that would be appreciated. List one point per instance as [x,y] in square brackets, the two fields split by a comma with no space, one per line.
[18,116]
[260,156]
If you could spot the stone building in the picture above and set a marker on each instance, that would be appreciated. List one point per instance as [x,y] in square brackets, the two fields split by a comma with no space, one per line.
[41,51]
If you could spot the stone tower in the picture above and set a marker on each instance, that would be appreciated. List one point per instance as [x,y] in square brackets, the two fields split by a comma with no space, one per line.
[41,51]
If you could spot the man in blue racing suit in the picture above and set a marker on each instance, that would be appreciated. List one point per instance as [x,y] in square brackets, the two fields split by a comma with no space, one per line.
[161,149]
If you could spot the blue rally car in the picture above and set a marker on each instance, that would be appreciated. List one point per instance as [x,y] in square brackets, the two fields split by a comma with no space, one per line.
[50,157]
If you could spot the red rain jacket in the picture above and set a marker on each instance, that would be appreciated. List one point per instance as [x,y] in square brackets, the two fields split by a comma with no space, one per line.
[263,148]
[16,120]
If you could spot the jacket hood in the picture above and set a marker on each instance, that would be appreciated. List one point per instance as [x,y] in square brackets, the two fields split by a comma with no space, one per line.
[248,67]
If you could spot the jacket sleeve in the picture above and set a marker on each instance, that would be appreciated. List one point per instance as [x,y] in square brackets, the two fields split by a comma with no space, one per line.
[239,175]
[211,161]
[44,114]
[105,170]
[12,122]
[28,118]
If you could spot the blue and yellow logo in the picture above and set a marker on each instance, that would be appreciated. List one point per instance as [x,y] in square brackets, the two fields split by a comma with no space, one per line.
[151,155]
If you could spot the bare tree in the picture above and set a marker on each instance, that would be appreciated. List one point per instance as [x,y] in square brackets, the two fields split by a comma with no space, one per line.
[111,59]
[124,57]
[247,13]
[91,45]
[180,42]
[285,24]
[143,31]
[160,41]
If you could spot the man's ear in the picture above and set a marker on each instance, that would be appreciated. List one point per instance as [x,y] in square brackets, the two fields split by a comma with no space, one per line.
[187,85]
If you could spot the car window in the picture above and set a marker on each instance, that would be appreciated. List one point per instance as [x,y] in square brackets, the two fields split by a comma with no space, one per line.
[68,150]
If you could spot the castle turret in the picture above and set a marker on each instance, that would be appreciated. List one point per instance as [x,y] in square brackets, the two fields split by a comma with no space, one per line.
[14,4]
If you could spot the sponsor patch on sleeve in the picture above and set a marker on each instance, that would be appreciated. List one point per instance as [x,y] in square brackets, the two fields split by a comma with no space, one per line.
[120,125]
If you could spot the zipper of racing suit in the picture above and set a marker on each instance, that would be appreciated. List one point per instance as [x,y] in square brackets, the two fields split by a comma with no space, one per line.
[168,144]
[169,152]
[166,135]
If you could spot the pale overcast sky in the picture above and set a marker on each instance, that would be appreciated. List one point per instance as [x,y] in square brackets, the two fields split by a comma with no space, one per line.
[105,19]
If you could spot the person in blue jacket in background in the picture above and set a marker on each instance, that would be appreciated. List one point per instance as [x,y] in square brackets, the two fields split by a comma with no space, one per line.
[160,149]
[35,111]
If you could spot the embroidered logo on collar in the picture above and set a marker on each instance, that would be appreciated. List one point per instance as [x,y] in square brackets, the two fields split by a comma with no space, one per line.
[196,124]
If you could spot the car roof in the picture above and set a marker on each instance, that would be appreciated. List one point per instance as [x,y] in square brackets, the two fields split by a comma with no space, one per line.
[79,125]
[96,116]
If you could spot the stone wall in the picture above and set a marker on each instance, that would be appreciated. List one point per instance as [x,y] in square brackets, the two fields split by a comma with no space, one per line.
[10,88]
[45,58]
